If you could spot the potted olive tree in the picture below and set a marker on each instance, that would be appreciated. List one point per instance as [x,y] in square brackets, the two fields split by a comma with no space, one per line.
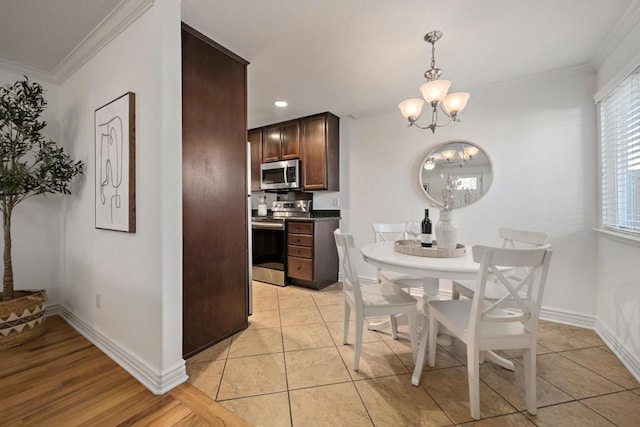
[30,165]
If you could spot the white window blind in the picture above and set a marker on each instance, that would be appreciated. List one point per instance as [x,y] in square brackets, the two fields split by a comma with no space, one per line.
[620,154]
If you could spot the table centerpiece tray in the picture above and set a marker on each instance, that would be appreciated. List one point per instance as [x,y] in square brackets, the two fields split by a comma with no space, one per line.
[409,247]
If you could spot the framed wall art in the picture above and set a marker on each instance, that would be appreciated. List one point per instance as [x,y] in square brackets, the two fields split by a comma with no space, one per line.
[115,184]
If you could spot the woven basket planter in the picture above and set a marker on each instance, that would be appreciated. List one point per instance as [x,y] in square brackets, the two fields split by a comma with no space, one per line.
[22,318]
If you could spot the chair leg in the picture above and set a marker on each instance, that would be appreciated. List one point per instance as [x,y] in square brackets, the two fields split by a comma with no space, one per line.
[529,359]
[433,337]
[413,332]
[358,343]
[473,368]
[455,291]
[422,349]
[394,326]
[347,315]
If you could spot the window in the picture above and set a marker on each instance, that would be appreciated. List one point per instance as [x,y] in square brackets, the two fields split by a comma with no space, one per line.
[620,156]
[466,183]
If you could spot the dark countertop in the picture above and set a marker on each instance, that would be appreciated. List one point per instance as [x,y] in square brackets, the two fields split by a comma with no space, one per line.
[315,219]
[320,215]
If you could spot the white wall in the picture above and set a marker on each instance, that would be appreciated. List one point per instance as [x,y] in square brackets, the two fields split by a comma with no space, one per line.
[36,226]
[541,135]
[139,276]
[618,279]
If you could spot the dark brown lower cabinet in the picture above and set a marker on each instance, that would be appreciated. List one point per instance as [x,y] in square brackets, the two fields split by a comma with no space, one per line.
[312,258]
[214,185]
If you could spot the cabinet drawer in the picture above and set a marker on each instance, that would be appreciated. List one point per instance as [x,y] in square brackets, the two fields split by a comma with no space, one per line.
[299,239]
[301,227]
[300,268]
[300,251]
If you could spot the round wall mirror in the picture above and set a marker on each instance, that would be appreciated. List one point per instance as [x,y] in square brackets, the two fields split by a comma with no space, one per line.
[466,162]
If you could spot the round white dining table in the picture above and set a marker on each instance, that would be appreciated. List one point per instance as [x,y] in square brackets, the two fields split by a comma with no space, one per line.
[384,256]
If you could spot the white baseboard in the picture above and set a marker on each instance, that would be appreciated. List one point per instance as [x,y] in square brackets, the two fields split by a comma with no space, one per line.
[568,317]
[156,382]
[628,359]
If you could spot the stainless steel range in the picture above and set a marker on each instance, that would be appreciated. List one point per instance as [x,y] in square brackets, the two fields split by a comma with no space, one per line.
[270,240]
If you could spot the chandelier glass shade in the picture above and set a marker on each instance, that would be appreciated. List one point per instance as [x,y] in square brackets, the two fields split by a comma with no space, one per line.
[435,93]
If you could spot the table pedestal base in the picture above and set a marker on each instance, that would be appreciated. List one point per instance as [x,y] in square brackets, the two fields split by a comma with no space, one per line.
[499,360]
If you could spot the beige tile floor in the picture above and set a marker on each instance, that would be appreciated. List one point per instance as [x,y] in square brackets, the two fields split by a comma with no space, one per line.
[289,368]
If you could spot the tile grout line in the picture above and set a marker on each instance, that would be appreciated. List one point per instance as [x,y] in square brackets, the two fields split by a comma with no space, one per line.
[224,369]
[465,365]
[284,361]
[596,397]
[591,370]
[574,399]
[561,353]
[567,392]
[353,384]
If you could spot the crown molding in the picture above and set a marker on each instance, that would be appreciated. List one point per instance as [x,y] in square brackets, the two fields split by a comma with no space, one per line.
[123,15]
[624,72]
[15,67]
[545,76]
[629,19]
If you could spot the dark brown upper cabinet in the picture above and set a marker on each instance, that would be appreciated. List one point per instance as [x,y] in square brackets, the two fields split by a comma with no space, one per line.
[314,139]
[255,138]
[281,142]
[320,153]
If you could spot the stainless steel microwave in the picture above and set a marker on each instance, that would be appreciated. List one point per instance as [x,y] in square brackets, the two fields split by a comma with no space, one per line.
[283,175]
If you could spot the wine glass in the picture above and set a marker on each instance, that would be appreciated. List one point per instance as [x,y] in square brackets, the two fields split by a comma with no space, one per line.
[412,228]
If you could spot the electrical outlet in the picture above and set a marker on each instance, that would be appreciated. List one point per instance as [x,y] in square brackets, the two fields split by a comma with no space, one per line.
[98,301]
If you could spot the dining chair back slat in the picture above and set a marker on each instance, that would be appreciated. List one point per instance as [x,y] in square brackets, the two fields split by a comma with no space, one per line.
[513,306]
[351,282]
[514,239]
[389,232]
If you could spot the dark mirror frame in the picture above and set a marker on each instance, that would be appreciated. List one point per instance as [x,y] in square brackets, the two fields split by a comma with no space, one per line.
[474,169]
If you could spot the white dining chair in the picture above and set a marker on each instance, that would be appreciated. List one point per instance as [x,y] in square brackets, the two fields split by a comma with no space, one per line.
[390,232]
[510,322]
[372,300]
[511,238]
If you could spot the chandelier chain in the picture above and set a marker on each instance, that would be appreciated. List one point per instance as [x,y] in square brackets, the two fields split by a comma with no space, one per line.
[433,56]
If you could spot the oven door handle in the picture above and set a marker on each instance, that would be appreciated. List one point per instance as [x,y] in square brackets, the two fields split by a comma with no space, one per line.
[268,226]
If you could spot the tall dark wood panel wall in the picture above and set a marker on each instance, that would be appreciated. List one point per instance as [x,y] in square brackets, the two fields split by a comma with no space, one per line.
[214,185]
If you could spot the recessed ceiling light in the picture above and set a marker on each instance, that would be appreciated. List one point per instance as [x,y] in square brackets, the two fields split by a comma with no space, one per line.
[280,104]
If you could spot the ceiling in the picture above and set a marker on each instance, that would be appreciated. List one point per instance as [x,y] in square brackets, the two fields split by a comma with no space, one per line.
[350,57]
[41,33]
[361,57]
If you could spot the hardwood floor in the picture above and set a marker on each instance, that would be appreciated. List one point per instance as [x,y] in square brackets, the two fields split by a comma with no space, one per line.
[63,379]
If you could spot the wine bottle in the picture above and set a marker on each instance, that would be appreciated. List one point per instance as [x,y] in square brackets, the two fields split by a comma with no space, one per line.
[425,237]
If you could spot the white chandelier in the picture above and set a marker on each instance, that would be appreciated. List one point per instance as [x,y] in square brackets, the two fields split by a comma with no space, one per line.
[434,92]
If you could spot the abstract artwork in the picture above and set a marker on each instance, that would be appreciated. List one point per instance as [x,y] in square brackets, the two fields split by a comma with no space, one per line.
[115,164]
